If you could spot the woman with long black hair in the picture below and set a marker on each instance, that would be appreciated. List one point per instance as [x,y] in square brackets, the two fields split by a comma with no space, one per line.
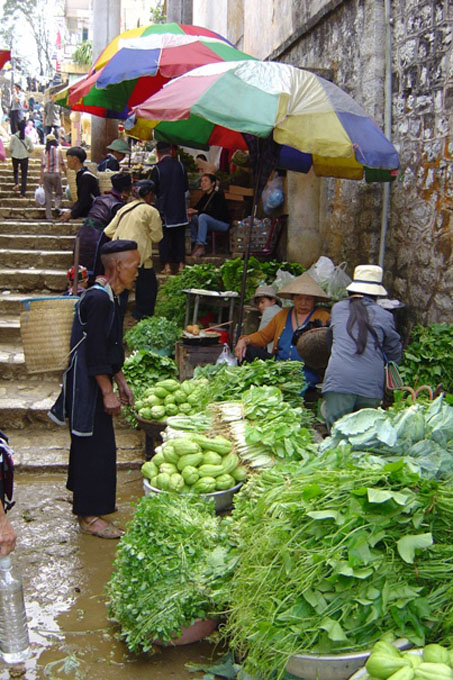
[363,333]
[52,166]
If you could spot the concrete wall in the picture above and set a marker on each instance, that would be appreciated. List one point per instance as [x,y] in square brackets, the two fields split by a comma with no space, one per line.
[344,39]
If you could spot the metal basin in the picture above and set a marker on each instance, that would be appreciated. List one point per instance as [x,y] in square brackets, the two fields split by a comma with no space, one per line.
[333,666]
[222,499]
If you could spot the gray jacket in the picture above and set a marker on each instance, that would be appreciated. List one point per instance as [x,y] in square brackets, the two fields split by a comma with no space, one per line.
[360,374]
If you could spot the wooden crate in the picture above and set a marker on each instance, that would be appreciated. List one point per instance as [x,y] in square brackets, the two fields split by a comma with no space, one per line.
[263,239]
[240,191]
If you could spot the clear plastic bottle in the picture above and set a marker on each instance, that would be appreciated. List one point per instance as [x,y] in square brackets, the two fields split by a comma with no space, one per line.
[14,642]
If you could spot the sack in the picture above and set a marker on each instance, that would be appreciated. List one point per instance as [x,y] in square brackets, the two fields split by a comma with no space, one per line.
[273,196]
[40,195]
[393,379]
[2,151]
[226,357]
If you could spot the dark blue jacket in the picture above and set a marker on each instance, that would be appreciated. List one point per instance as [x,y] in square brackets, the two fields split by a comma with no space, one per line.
[170,178]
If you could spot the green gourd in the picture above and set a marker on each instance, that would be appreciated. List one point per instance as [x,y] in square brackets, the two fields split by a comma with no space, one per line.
[170,454]
[386,647]
[193,459]
[239,473]
[169,468]
[212,458]
[160,392]
[169,384]
[176,482]
[382,665]
[205,485]
[171,410]
[190,475]
[169,399]
[157,412]
[163,481]
[211,470]
[153,482]
[230,462]
[224,482]
[149,469]
[158,458]
[403,674]
[179,396]
[433,671]
[436,654]
[184,445]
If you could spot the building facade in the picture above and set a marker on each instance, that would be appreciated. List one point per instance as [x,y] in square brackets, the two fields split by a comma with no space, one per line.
[344,40]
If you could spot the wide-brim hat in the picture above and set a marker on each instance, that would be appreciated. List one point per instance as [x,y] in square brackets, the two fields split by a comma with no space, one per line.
[367,280]
[265,291]
[303,285]
[119,145]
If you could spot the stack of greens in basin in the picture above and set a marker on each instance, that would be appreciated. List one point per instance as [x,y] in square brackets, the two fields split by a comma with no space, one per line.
[330,560]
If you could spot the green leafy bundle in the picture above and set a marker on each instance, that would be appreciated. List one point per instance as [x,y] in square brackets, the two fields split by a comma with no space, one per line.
[153,332]
[143,368]
[271,267]
[331,559]
[231,274]
[171,301]
[428,360]
[229,382]
[169,569]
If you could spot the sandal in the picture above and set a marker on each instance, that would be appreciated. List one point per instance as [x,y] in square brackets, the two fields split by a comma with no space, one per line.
[107,531]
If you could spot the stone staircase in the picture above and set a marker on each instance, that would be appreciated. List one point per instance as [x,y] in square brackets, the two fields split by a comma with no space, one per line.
[34,257]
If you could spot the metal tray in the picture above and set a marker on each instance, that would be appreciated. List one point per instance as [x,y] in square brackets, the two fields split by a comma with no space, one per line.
[222,499]
[206,338]
[333,666]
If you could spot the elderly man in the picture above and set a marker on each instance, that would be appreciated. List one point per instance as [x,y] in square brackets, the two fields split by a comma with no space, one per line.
[139,221]
[88,399]
[117,151]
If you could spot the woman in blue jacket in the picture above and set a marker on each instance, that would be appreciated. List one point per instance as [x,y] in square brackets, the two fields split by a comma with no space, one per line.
[363,333]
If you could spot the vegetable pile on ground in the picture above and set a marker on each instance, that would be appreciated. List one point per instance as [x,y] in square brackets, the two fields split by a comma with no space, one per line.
[169,568]
[229,382]
[386,662]
[170,398]
[423,433]
[428,360]
[153,332]
[195,463]
[141,369]
[330,560]
[170,301]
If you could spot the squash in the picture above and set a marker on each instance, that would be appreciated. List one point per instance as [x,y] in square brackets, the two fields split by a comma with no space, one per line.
[190,475]
[169,468]
[176,482]
[158,458]
[170,454]
[163,481]
[205,485]
[212,458]
[230,462]
[224,482]
[184,446]
[210,470]
[239,473]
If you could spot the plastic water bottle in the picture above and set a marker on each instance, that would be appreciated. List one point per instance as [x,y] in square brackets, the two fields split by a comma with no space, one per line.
[14,642]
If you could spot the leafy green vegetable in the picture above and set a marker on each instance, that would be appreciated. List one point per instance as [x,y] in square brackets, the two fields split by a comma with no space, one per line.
[428,360]
[335,557]
[231,274]
[171,301]
[271,267]
[153,332]
[230,382]
[169,568]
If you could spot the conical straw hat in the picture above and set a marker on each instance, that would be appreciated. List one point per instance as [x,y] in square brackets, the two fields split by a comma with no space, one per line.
[303,285]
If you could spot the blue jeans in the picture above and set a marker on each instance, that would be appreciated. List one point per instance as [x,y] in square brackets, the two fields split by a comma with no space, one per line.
[201,224]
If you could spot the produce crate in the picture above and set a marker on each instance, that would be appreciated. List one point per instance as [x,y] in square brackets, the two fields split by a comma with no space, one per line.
[263,239]
[241,191]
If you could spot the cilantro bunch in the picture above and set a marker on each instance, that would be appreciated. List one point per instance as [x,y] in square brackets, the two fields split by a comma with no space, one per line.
[153,332]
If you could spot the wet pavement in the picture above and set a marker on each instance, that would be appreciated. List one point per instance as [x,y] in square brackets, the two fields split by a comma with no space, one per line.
[64,575]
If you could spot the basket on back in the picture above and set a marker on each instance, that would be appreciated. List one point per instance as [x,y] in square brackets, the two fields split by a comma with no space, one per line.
[45,328]
[105,180]
[313,347]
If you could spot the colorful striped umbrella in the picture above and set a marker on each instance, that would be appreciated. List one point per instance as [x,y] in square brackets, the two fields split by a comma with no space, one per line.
[316,122]
[138,62]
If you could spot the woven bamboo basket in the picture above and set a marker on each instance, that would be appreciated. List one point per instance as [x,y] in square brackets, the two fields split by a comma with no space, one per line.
[313,348]
[45,328]
[105,180]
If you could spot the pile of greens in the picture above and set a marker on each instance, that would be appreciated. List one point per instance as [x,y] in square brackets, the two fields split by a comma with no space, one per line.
[423,433]
[229,382]
[153,332]
[331,559]
[429,358]
[172,566]
[171,301]
[231,275]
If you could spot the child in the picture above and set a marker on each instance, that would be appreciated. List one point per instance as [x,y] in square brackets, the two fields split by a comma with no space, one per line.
[82,281]
[268,304]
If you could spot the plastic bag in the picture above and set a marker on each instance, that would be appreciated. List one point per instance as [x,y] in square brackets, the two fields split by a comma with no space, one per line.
[281,280]
[338,282]
[226,357]
[40,195]
[273,196]
[321,271]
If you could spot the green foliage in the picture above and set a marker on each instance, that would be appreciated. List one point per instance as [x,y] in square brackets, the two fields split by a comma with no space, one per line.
[153,332]
[271,267]
[171,301]
[169,568]
[428,360]
[158,13]
[83,56]
[231,274]
[339,555]
[143,368]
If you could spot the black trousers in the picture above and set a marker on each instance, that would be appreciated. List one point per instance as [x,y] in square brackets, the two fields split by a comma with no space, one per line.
[145,293]
[92,467]
[23,163]
[56,131]
[172,247]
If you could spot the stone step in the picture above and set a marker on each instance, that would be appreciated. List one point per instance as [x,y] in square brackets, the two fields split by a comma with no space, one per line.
[12,363]
[38,259]
[49,450]
[39,227]
[9,329]
[25,213]
[37,242]
[45,280]
[29,202]
[10,302]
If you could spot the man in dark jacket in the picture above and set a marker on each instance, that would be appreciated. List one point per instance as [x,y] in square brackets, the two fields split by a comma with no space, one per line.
[87,185]
[170,179]
[117,152]
[102,212]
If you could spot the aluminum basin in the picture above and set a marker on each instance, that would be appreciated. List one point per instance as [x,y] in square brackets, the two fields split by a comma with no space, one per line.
[222,499]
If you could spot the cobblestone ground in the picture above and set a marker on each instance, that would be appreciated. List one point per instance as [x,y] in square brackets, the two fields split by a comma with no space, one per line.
[64,575]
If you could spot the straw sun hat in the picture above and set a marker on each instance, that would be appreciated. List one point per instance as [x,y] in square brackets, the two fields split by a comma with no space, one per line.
[367,280]
[265,291]
[303,285]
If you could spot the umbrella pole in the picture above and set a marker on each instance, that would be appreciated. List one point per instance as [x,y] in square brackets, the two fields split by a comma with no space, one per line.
[248,238]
